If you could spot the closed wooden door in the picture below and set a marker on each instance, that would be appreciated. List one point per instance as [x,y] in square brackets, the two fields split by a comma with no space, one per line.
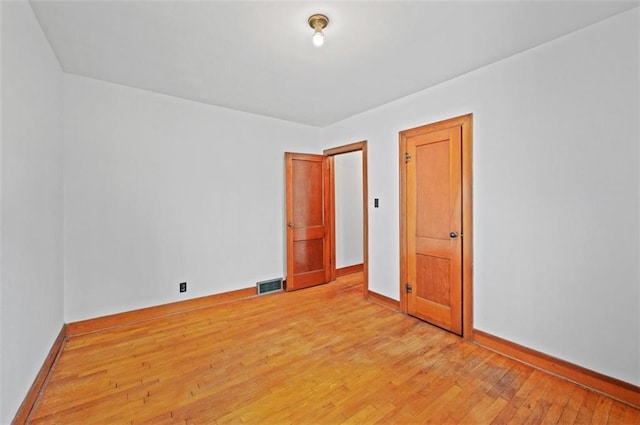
[433,196]
[308,220]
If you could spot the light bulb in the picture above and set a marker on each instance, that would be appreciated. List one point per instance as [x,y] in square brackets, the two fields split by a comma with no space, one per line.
[318,22]
[318,38]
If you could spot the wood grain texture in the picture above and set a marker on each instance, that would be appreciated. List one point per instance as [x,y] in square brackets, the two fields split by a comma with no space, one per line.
[130,317]
[354,147]
[432,196]
[351,147]
[322,355]
[41,378]
[432,279]
[612,387]
[466,123]
[433,181]
[309,220]
[343,271]
[467,224]
[384,300]
[331,210]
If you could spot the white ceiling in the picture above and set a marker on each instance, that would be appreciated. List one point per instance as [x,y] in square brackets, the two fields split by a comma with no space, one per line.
[258,56]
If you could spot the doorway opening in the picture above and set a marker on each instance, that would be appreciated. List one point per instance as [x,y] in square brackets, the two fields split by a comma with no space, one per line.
[342,160]
[310,198]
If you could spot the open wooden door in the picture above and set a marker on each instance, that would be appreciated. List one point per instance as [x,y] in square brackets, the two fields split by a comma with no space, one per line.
[434,213]
[308,220]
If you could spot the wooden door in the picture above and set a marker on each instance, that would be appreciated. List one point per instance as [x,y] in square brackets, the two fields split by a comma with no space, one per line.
[433,195]
[308,220]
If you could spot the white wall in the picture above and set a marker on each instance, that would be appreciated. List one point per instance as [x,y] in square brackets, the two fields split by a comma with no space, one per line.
[31,218]
[161,190]
[2,415]
[348,208]
[556,193]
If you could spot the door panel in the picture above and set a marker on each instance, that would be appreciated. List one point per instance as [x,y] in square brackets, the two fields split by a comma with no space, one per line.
[308,236]
[432,173]
[307,190]
[434,226]
[434,270]
[308,255]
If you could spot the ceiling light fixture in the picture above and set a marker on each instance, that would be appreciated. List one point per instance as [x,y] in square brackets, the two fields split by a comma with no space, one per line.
[318,22]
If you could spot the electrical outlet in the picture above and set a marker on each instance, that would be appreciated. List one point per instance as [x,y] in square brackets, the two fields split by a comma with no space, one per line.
[183,286]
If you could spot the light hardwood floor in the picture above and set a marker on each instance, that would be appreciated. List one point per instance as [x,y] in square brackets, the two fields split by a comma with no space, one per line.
[322,355]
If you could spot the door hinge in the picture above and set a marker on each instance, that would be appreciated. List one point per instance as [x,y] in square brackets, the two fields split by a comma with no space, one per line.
[407,157]
[408,287]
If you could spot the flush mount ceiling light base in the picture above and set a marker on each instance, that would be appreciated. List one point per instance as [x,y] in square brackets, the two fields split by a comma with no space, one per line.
[318,22]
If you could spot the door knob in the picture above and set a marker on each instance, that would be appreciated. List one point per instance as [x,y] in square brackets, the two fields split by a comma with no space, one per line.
[453,234]
[290,224]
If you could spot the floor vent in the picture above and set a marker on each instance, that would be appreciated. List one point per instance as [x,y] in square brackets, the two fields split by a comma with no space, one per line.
[268,286]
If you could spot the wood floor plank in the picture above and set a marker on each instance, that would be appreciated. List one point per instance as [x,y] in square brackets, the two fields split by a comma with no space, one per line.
[556,396]
[601,413]
[323,355]
[570,412]
[484,411]
[631,415]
